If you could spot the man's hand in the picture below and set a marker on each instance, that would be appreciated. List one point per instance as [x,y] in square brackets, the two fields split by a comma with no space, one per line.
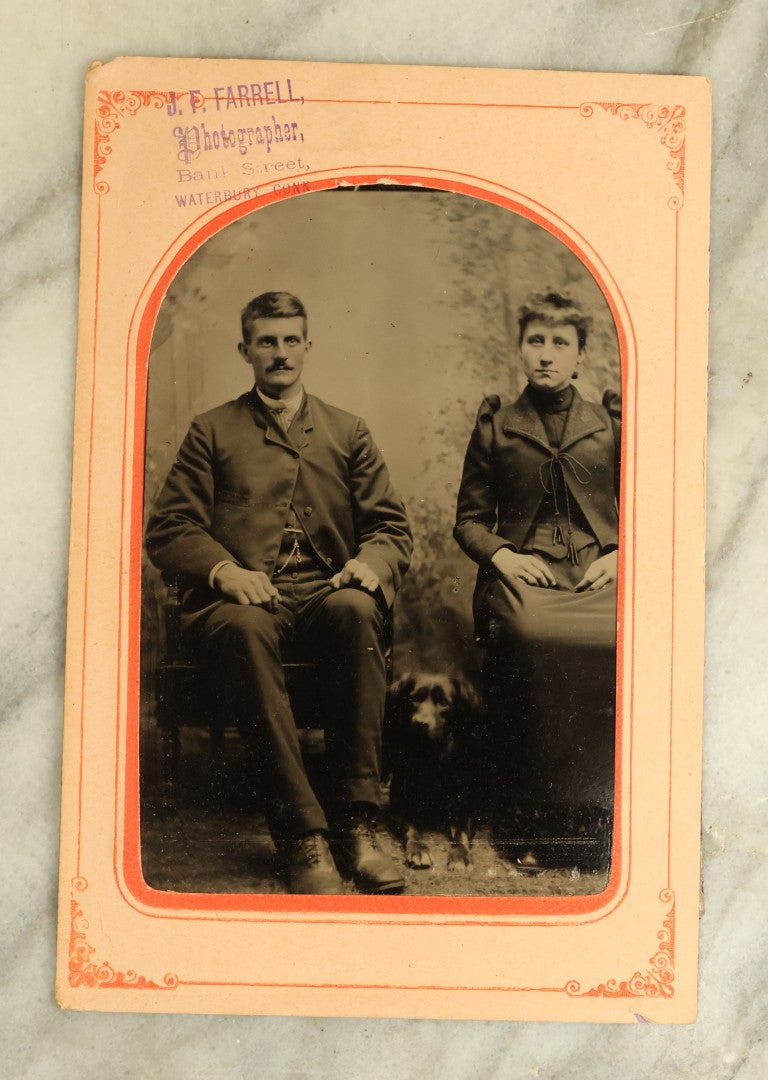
[514,566]
[356,575]
[603,571]
[246,586]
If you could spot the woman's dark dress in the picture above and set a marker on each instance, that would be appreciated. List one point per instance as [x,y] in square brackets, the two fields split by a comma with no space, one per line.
[550,678]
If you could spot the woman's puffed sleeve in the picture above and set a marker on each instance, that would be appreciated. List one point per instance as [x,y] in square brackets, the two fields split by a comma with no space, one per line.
[476,510]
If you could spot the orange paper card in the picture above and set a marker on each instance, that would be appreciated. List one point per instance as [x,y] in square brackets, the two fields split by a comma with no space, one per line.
[525,551]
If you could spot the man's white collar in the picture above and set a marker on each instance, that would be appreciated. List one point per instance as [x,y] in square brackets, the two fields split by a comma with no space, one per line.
[290,404]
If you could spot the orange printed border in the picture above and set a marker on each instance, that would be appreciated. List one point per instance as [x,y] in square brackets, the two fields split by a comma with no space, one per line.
[657,981]
[668,120]
[145,314]
[85,970]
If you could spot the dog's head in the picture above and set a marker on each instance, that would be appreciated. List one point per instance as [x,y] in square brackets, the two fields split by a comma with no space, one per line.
[432,705]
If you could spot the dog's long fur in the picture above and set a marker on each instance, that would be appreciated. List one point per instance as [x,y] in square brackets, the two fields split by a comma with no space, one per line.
[432,750]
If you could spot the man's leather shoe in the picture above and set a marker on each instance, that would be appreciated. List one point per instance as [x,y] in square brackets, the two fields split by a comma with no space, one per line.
[311,869]
[371,869]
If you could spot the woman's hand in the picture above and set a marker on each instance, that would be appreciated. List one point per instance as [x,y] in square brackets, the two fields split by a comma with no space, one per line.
[603,571]
[527,568]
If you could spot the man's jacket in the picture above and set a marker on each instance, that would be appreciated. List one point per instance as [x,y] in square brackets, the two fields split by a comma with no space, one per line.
[235,477]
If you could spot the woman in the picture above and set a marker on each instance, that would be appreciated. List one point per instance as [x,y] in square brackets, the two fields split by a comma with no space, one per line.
[538,511]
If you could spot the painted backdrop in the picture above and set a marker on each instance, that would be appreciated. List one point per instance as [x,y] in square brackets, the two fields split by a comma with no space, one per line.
[412,298]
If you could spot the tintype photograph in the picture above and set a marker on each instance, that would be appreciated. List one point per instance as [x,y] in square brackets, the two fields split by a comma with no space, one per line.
[385,596]
[381,553]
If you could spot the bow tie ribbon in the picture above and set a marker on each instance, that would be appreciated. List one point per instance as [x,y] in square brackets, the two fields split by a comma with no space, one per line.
[552,476]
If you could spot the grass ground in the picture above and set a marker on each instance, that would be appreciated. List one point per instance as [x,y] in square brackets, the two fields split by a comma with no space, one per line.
[230,851]
[222,844]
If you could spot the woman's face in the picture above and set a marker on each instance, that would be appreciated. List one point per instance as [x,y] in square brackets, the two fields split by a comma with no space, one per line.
[550,354]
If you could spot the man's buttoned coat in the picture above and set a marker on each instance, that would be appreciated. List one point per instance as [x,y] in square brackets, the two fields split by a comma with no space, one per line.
[228,495]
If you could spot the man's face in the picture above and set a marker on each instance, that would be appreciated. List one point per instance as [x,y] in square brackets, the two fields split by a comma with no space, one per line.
[550,354]
[276,352]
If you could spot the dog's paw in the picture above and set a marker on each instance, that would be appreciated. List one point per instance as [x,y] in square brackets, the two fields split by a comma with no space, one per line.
[460,859]
[417,855]
[528,864]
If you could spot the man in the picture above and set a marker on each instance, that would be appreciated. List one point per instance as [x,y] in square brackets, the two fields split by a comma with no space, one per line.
[280,515]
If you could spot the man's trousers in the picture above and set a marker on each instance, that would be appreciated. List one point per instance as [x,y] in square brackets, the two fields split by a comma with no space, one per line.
[342,631]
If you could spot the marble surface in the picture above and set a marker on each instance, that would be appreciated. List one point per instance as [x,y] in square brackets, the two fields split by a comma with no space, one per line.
[46,52]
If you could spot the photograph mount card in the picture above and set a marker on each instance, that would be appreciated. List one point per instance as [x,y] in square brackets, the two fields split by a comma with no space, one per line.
[385,630]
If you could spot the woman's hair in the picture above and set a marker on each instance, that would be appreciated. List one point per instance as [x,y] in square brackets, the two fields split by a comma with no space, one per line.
[554,309]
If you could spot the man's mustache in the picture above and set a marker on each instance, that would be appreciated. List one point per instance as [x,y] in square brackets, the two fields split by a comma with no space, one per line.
[279,365]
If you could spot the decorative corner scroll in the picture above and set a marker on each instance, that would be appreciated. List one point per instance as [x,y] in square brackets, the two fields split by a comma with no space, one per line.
[657,981]
[85,971]
[668,120]
[113,106]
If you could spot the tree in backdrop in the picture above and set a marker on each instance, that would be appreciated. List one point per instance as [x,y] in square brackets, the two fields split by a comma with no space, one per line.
[498,259]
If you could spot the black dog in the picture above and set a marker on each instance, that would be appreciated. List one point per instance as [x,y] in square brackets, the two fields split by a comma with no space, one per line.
[432,750]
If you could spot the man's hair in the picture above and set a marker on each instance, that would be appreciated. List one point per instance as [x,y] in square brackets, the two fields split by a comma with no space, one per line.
[554,309]
[271,305]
